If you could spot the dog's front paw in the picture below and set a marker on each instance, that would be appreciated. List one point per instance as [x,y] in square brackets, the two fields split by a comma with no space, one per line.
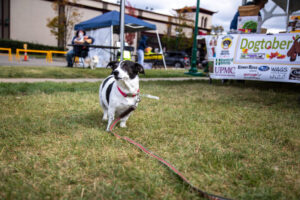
[104,118]
[123,125]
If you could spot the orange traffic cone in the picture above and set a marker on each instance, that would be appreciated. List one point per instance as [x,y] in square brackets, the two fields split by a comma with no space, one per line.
[25,57]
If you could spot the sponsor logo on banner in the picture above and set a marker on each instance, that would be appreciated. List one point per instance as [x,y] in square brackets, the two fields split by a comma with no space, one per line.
[278,73]
[224,61]
[279,69]
[252,76]
[295,74]
[259,56]
[247,67]
[225,53]
[224,71]
[226,44]
[277,76]
[211,44]
[264,68]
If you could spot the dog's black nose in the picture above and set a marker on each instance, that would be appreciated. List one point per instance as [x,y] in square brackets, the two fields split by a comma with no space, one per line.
[115,72]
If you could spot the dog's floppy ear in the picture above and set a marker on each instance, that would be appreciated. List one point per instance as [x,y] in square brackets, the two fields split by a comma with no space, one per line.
[113,65]
[139,68]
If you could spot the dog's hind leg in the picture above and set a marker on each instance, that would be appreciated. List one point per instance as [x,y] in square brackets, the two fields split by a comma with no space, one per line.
[123,121]
[111,117]
[104,118]
[104,108]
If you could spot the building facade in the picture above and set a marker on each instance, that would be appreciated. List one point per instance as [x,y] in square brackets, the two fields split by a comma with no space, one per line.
[26,20]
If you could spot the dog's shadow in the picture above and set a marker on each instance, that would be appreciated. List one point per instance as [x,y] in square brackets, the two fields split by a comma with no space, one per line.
[91,119]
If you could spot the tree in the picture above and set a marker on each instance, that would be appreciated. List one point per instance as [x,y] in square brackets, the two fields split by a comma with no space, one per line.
[181,41]
[217,30]
[129,37]
[61,25]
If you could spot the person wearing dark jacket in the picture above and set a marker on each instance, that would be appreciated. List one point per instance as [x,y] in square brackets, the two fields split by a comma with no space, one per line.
[79,38]
[234,22]
[141,48]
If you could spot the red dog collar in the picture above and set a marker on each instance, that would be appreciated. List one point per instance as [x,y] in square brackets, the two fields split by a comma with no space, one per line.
[128,95]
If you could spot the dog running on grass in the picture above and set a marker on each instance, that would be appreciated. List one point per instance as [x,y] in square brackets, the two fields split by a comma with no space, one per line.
[120,90]
[92,62]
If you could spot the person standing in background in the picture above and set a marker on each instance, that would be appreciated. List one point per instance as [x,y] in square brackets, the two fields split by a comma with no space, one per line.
[141,48]
[234,22]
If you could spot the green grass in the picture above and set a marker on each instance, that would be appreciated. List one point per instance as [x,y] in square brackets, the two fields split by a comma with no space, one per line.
[64,72]
[237,141]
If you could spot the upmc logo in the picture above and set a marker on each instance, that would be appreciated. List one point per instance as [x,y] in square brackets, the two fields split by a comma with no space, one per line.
[225,71]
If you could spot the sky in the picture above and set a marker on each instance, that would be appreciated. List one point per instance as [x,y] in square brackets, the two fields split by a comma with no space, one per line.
[225,10]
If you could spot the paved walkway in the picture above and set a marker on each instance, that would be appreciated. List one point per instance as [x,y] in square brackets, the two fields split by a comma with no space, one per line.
[79,80]
[62,63]
[33,61]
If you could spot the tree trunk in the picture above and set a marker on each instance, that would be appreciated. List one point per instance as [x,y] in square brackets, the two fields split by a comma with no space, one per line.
[61,24]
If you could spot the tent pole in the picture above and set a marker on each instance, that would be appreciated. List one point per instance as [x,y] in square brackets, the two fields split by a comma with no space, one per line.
[287,14]
[122,17]
[161,50]
[112,43]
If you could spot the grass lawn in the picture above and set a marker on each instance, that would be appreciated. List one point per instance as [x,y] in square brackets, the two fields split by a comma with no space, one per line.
[65,72]
[237,141]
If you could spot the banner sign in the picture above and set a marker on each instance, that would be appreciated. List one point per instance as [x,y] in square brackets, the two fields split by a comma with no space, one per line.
[258,57]
[211,45]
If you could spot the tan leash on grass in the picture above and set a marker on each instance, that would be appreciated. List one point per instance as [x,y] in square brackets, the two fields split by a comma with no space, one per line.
[201,193]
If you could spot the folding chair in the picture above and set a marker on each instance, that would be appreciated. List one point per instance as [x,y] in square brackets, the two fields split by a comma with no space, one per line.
[80,54]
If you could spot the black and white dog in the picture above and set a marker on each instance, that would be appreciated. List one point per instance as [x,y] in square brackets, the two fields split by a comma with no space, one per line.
[120,90]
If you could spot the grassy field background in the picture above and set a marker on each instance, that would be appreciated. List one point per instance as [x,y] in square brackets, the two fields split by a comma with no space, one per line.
[65,72]
[237,141]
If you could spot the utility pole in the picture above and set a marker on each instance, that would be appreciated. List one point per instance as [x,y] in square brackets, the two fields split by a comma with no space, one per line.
[193,70]
[122,19]
[61,23]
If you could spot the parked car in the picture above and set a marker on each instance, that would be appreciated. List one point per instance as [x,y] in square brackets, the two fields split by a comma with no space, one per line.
[177,59]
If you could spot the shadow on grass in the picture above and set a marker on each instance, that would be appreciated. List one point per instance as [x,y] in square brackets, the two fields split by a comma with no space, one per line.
[50,87]
[46,87]
[91,119]
[260,85]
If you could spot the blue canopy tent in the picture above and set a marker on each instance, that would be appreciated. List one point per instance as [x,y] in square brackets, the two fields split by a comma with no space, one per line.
[112,18]
[104,26]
